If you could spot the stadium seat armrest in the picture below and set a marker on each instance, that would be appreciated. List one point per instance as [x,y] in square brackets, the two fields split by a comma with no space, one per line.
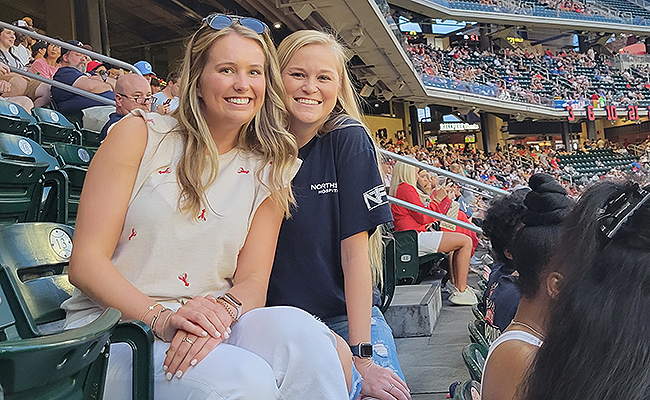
[139,336]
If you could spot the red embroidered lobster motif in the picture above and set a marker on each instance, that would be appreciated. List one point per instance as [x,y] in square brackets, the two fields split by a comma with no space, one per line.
[243,171]
[133,234]
[202,216]
[183,277]
[150,120]
[165,171]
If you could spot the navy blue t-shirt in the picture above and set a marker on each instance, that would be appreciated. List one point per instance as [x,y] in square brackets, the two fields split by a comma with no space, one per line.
[502,297]
[69,103]
[339,193]
[113,118]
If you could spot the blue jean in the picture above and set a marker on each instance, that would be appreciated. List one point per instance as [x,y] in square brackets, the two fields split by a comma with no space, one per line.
[384,351]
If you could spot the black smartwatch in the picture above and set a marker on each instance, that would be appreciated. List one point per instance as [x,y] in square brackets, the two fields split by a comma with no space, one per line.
[362,350]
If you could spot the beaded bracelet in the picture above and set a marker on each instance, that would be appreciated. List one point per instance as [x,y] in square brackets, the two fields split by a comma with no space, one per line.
[227,307]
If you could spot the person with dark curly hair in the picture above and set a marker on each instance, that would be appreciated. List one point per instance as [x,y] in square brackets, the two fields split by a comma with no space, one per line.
[511,353]
[501,223]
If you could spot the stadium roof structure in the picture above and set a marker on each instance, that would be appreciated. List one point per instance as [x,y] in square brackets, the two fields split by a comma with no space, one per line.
[445,9]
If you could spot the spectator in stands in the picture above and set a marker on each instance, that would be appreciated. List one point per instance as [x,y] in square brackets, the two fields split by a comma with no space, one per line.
[403,186]
[596,344]
[6,88]
[539,280]
[38,51]
[73,72]
[9,58]
[132,91]
[22,46]
[167,100]
[48,65]
[96,68]
[501,222]
[190,256]
[341,201]
[156,87]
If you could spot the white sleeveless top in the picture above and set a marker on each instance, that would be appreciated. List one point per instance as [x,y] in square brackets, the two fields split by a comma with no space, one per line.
[512,335]
[171,256]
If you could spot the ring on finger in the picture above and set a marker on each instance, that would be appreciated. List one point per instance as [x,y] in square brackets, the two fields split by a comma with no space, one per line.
[188,340]
[392,386]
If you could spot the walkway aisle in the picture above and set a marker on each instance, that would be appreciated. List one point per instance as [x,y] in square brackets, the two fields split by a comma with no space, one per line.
[431,364]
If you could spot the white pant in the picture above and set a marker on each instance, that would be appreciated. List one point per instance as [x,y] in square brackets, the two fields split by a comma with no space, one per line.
[273,353]
[428,242]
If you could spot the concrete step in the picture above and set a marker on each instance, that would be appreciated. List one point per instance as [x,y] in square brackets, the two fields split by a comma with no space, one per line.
[414,310]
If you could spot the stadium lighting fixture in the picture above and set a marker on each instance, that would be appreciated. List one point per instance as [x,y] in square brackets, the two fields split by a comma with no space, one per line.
[400,84]
[277,25]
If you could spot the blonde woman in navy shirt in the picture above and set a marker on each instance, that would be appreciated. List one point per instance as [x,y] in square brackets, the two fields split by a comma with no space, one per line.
[323,263]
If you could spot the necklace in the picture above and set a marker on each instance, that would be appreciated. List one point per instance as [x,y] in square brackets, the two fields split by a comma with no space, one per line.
[535,331]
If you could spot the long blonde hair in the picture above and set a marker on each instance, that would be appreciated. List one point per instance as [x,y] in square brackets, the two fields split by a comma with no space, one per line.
[405,173]
[346,112]
[266,135]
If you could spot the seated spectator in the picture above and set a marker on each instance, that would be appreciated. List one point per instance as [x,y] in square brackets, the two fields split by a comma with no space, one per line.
[48,65]
[167,99]
[96,68]
[72,72]
[131,92]
[145,69]
[596,343]
[38,51]
[9,57]
[403,186]
[156,87]
[510,355]
[22,46]
[501,222]
[6,86]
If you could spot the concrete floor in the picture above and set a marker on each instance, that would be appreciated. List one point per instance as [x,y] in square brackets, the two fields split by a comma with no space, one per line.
[431,364]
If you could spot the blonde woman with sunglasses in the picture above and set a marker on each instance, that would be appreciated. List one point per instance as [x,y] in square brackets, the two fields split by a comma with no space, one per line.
[178,223]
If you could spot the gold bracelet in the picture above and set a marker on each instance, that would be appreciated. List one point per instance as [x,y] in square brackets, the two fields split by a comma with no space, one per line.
[153,328]
[151,307]
[155,318]
[228,309]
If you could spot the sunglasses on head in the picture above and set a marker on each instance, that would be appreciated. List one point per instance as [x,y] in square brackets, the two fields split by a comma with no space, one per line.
[220,21]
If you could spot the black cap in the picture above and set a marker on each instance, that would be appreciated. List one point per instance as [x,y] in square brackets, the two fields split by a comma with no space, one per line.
[64,50]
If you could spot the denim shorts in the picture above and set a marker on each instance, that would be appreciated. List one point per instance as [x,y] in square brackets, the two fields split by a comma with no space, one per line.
[384,352]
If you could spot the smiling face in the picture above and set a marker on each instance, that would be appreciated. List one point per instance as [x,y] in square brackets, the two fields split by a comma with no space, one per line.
[312,83]
[232,84]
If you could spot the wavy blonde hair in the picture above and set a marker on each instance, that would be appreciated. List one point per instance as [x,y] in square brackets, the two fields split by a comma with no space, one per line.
[346,112]
[266,135]
[405,173]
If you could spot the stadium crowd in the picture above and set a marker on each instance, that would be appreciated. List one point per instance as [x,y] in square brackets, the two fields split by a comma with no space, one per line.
[516,74]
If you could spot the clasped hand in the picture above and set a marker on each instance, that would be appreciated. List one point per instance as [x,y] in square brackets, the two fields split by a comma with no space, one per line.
[381,383]
[197,328]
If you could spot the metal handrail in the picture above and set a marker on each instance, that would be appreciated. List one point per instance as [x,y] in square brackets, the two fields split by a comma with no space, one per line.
[456,177]
[434,214]
[64,86]
[66,45]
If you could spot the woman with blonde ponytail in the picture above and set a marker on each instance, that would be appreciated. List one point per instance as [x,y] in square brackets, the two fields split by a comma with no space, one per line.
[329,251]
[178,223]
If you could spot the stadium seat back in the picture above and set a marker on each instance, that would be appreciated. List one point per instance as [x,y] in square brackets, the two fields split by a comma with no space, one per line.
[74,160]
[67,365]
[22,148]
[468,390]
[10,118]
[72,154]
[477,332]
[474,356]
[21,188]
[407,265]
[55,127]
[33,265]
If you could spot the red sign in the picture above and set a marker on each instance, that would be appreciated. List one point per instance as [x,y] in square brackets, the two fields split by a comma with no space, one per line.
[590,113]
[632,113]
[611,113]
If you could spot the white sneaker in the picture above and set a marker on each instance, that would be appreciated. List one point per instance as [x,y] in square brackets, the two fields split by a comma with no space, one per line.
[465,298]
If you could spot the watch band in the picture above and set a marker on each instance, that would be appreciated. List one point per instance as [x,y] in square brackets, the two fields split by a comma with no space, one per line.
[362,350]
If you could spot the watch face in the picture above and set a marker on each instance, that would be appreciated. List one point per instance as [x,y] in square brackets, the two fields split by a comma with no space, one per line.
[366,350]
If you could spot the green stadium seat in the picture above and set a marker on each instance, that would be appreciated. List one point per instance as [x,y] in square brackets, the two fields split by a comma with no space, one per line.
[468,390]
[477,310]
[55,127]
[388,278]
[74,160]
[33,261]
[477,332]
[10,119]
[474,356]
[409,268]
[63,366]
[21,188]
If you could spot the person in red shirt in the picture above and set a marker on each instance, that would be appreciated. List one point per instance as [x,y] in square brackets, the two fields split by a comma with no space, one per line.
[403,186]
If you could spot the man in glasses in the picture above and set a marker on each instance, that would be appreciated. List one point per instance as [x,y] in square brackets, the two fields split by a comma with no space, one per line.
[132,91]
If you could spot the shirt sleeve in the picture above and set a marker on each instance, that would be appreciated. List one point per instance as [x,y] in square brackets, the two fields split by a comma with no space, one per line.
[408,193]
[363,204]
[38,68]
